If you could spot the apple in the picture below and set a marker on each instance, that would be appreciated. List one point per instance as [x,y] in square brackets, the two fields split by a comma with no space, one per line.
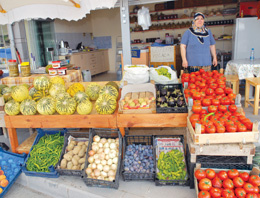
[146,99]
[123,102]
[130,101]
[143,104]
[152,98]
[127,98]
[132,104]
[125,106]
[136,101]
[2,172]
[140,100]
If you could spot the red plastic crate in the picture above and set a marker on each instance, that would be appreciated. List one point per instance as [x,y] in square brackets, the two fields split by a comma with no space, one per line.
[248,8]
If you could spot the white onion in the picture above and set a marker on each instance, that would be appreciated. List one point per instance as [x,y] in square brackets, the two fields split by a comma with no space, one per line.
[111,178]
[91,159]
[104,174]
[106,145]
[107,157]
[115,160]
[102,156]
[101,177]
[96,156]
[100,145]
[91,152]
[90,166]
[97,172]
[111,173]
[104,162]
[101,150]
[94,143]
[107,151]
[109,162]
[113,140]
[95,147]
[92,174]
[94,166]
[97,161]
[112,155]
[117,140]
[96,138]
[100,167]
[106,168]
[103,140]
[112,146]
[113,167]
[109,140]
[88,171]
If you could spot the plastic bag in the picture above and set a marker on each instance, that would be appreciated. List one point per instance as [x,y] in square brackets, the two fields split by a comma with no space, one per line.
[160,79]
[144,18]
[136,74]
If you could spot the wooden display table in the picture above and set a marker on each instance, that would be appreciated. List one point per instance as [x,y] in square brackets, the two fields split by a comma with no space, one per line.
[255,82]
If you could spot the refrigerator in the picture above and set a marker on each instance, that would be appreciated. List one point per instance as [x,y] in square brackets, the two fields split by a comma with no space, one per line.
[246,35]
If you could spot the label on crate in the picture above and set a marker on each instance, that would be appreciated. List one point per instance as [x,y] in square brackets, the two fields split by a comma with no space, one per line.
[71,138]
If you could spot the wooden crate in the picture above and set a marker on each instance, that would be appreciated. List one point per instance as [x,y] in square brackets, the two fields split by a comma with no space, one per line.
[220,138]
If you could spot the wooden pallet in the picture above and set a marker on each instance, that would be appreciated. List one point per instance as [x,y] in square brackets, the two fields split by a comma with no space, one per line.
[26,146]
[236,149]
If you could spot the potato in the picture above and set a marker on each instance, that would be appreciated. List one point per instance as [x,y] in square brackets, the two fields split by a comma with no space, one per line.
[81,143]
[86,143]
[82,160]
[81,152]
[63,163]
[76,157]
[67,157]
[82,166]
[69,165]
[75,168]
[70,153]
[76,149]
[74,162]
[84,147]
[73,142]
[70,147]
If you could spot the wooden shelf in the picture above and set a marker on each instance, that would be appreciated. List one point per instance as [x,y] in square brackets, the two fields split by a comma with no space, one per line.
[140,43]
[223,39]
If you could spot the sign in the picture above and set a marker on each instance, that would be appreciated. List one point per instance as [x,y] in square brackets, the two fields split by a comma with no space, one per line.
[136,53]
[162,54]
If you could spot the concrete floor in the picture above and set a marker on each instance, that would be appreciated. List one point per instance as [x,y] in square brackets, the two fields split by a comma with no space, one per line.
[64,186]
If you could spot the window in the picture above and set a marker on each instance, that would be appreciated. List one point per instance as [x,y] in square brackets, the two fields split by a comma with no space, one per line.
[5,50]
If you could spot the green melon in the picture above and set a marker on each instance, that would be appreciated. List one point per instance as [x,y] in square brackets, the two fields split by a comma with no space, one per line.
[92,91]
[80,96]
[26,85]
[7,97]
[6,90]
[32,91]
[42,83]
[57,80]
[20,93]
[84,107]
[46,106]
[66,106]
[56,88]
[106,104]
[62,95]
[39,95]
[114,84]
[109,90]
[28,107]
[12,108]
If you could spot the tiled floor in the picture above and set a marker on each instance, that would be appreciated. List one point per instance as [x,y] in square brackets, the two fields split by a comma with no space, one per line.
[74,186]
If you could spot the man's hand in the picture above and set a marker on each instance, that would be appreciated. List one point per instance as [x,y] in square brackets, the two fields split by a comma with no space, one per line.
[185,63]
[215,62]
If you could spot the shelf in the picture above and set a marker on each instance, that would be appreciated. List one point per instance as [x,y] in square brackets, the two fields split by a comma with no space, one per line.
[140,43]
[180,28]
[132,13]
[223,39]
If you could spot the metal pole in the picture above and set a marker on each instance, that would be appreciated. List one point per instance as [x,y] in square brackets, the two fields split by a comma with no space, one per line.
[12,43]
[125,30]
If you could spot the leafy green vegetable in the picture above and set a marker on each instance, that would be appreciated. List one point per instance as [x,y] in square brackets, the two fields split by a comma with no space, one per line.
[164,72]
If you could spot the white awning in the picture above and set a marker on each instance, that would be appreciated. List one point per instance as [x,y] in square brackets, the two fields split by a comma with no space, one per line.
[17,10]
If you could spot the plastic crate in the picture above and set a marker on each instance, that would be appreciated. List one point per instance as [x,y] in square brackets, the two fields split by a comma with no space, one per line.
[103,133]
[53,173]
[171,182]
[171,87]
[66,171]
[218,162]
[137,139]
[10,163]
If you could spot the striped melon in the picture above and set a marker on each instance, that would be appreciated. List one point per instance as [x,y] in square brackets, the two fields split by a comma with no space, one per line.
[12,108]
[46,106]
[57,80]
[114,84]
[80,96]
[6,90]
[84,107]
[32,91]
[62,95]
[66,106]
[106,104]
[28,107]
[109,90]
[93,91]
[20,93]
[26,85]
[74,88]
[42,83]
[7,97]
[56,88]
[38,95]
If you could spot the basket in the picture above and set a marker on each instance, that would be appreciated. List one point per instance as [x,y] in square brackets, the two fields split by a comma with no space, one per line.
[171,182]
[53,173]
[138,139]
[103,133]
[171,87]
[10,163]
[66,171]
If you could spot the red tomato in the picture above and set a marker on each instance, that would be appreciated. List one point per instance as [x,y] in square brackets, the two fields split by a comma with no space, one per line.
[228,90]
[205,184]
[231,128]
[222,108]
[206,122]
[194,123]
[197,96]
[244,176]
[204,194]
[192,75]
[197,102]
[218,97]
[192,86]
[225,101]
[215,192]
[222,175]
[210,129]
[249,188]
[233,118]
[255,180]
[206,102]
[227,122]
[200,174]
[218,114]
[213,86]
[221,82]
[194,117]
[203,111]
[202,85]
[228,184]
[203,94]
[215,102]
[240,192]
[192,80]
[196,108]
[238,182]
[216,182]
[212,108]
[202,71]
[227,114]
[209,91]
[232,101]
[241,128]
[232,173]
[236,114]
[210,174]
[249,126]
[197,73]
[256,189]
[209,73]
[222,119]
[203,129]
[228,193]
[232,108]
[219,91]
[251,195]
[232,95]
[221,129]
[237,122]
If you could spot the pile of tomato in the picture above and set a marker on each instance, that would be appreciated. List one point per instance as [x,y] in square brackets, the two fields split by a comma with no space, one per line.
[227,184]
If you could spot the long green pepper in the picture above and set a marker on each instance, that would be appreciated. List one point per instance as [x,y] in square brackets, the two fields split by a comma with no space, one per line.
[45,153]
